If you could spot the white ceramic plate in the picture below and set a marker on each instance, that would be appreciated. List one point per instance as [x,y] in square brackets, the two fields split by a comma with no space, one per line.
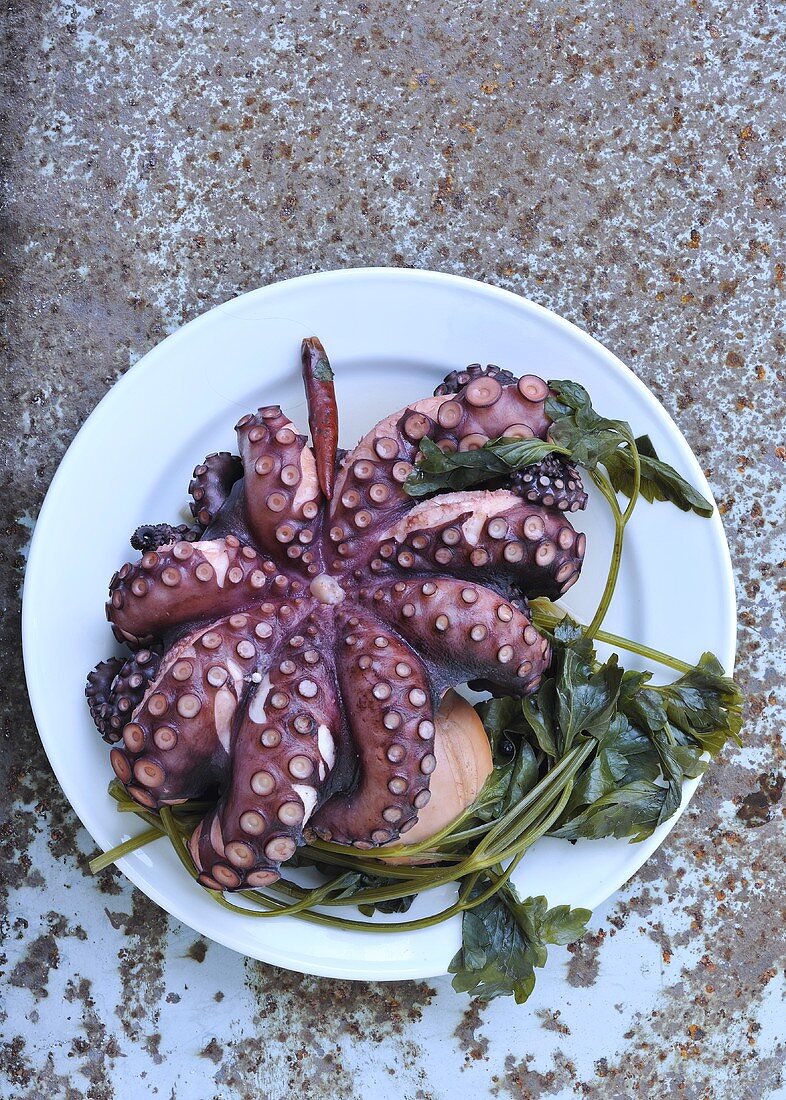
[391,336]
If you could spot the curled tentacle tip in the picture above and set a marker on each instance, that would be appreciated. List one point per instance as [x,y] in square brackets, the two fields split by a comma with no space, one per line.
[152,535]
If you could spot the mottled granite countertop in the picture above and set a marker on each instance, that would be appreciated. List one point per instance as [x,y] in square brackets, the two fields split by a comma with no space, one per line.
[620,163]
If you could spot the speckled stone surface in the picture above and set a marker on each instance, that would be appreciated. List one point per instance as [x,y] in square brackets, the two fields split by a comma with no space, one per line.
[620,163]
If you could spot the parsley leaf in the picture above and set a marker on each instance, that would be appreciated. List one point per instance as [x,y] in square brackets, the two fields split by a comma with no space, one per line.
[504,939]
[648,739]
[501,717]
[576,696]
[630,811]
[704,704]
[512,776]
[540,710]
[589,439]
[659,481]
[437,472]
[606,769]
[586,703]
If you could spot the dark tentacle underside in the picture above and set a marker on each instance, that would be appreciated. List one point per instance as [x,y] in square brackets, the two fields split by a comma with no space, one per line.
[98,691]
[456,380]
[211,485]
[552,483]
[116,687]
[152,535]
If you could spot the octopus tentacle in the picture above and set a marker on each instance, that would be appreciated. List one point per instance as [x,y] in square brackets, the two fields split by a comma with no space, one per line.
[116,687]
[283,753]
[370,482]
[210,486]
[457,379]
[390,710]
[493,536]
[178,742]
[281,487]
[185,581]
[464,632]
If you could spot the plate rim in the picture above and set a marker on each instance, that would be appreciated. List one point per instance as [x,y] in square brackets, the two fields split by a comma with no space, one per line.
[727,592]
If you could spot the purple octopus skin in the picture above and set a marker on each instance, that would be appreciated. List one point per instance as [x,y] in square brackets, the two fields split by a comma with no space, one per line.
[307,643]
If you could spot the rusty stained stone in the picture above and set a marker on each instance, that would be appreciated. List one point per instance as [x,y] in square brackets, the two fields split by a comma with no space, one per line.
[759,807]
[162,160]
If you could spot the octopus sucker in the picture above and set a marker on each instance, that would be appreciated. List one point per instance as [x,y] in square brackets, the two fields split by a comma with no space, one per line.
[290,650]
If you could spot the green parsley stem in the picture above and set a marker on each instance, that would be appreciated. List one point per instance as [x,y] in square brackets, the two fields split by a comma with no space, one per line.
[549,819]
[605,487]
[351,862]
[644,651]
[548,615]
[114,854]
[520,827]
[634,496]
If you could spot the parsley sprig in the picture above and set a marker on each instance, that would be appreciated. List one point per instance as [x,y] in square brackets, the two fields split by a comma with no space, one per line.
[598,751]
